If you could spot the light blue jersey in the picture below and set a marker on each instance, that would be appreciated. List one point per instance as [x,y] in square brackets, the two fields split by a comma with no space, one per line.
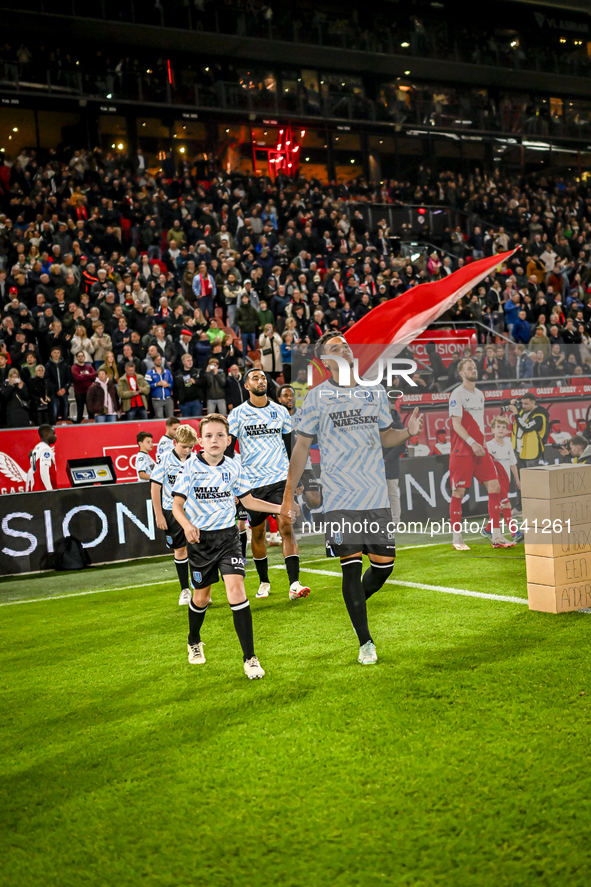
[259,432]
[209,491]
[144,462]
[166,473]
[347,422]
[164,445]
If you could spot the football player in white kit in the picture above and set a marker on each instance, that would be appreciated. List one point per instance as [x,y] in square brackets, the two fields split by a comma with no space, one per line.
[469,457]
[506,465]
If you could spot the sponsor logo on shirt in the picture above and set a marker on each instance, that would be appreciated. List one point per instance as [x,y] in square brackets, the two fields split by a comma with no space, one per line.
[351,417]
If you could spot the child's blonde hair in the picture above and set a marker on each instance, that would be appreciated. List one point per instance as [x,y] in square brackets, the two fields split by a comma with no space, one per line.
[499,420]
[186,435]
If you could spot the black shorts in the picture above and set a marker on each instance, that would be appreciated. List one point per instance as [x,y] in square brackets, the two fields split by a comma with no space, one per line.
[218,551]
[241,512]
[270,493]
[371,532]
[175,535]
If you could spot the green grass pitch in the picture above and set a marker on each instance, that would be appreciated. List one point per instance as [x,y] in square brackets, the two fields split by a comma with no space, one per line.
[461,759]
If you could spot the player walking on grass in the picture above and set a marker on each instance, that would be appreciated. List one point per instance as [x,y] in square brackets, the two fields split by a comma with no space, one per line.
[263,431]
[204,508]
[162,480]
[352,423]
[469,457]
[505,462]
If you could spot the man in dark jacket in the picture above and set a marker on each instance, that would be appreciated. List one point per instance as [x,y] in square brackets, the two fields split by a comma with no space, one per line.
[190,388]
[83,375]
[235,391]
[247,319]
[60,376]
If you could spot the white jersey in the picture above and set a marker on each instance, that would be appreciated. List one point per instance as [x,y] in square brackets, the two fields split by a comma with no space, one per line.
[209,491]
[144,462]
[468,406]
[164,445]
[259,433]
[165,474]
[42,460]
[347,422]
[503,453]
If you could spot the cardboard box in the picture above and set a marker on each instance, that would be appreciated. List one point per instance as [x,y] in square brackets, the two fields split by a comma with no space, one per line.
[568,570]
[555,481]
[560,598]
[551,544]
[568,512]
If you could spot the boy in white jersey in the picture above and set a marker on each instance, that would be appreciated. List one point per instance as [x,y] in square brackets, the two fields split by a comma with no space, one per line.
[144,464]
[163,479]
[204,508]
[505,465]
[263,431]
[469,457]
[352,424]
[166,442]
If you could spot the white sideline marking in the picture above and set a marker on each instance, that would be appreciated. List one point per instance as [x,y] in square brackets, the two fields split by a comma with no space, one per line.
[461,591]
[59,597]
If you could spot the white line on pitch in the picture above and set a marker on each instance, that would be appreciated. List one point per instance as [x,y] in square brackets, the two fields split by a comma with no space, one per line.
[461,591]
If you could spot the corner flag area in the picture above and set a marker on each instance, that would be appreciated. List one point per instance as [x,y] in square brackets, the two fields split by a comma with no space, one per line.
[462,759]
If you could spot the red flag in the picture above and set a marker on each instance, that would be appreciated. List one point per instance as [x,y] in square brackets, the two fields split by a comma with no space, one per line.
[396,323]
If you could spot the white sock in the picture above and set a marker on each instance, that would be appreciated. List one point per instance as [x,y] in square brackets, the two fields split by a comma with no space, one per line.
[457,537]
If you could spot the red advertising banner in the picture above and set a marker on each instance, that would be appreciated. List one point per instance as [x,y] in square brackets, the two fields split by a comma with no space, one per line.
[447,343]
[435,397]
[117,440]
[570,412]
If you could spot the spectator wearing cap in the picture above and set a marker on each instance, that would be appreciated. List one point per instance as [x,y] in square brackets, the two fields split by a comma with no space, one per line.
[181,347]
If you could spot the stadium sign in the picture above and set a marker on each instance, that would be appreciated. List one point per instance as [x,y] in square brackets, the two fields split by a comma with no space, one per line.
[112,522]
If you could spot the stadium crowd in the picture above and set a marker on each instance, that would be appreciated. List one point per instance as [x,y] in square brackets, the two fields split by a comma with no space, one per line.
[128,294]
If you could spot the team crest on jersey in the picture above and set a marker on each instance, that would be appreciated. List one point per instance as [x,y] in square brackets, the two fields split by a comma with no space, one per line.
[226,477]
[197,576]
[338,538]
[273,414]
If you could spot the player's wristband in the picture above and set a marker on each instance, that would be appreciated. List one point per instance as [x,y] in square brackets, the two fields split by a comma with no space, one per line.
[470,441]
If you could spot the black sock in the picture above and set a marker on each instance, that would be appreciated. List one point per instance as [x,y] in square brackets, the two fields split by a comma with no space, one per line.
[374,577]
[292,565]
[354,598]
[182,569]
[243,625]
[262,565]
[196,617]
[243,542]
